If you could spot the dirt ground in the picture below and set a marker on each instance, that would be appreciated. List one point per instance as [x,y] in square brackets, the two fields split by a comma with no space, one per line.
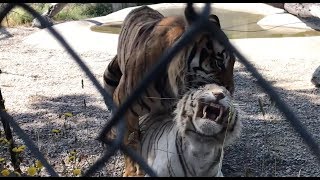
[39,86]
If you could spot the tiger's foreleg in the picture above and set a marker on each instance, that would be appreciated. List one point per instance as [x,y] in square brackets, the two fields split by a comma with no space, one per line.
[132,140]
[131,136]
[111,79]
[112,76]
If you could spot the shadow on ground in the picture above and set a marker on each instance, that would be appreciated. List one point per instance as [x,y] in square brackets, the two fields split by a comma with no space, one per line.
[268,145]
[77,132]
[4,34]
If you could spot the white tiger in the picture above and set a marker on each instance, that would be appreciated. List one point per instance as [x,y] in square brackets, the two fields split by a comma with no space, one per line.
[190,141]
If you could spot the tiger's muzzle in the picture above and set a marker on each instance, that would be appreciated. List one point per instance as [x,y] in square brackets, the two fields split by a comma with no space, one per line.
[214,110]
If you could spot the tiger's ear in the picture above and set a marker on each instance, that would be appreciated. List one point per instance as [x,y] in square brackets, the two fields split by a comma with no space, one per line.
[190,14]
[215,19]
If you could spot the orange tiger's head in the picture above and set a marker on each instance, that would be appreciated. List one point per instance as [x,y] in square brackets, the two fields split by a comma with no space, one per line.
[205,61]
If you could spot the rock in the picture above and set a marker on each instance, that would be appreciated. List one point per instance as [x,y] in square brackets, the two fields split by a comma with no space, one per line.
[316,77]
[315,11]
[303,9]
[36,22]
[288,22]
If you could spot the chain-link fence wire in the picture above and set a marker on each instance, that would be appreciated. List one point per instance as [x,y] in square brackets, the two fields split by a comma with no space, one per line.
[201,24]
[8,134]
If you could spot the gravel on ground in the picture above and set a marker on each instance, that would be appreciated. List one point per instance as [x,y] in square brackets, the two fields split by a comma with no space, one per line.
[42,87]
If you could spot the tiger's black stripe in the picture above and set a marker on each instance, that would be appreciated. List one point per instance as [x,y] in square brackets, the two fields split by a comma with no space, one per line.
[183,160]
[148,96]
[180,153]
[171,171]
[133,111]
[159,87]
[114,69]
[110,82]
[160,132]
[216,161]
[230,129]
[192,55]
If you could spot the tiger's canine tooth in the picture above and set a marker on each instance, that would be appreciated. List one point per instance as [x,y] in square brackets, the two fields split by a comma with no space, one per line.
[220,115]
[204,111]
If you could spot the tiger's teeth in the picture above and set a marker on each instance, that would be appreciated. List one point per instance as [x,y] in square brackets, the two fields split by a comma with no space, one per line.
[220,115]
[221,111]
[204,112]
[204,115]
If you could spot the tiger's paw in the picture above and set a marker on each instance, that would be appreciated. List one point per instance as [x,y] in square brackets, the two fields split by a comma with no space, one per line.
[134,171]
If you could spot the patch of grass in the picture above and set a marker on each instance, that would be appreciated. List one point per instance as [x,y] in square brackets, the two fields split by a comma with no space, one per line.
[82,11]
[18,16]
[73,11]
[72,164]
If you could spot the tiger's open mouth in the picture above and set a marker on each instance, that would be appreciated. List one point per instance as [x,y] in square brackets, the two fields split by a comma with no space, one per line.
[212,111]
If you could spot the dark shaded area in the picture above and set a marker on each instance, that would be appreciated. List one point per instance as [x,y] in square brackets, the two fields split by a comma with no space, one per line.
[4,33]
[277,5]
[49,114]
[94,22]
[312,22]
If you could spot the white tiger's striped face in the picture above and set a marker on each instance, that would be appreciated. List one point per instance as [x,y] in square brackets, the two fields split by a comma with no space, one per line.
[208,112]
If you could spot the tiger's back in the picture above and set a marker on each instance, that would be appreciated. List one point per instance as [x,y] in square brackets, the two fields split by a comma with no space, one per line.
[144,36]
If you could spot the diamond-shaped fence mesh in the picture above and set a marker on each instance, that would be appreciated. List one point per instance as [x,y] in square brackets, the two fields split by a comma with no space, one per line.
[201,24]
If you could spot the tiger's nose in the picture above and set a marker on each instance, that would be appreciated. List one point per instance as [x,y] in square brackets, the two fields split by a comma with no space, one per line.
[218,95]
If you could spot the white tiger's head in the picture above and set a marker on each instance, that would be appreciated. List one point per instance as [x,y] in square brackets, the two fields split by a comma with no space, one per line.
[208,113]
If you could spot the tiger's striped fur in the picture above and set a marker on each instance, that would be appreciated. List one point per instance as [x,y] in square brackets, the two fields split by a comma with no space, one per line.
[144,36]
[190,141]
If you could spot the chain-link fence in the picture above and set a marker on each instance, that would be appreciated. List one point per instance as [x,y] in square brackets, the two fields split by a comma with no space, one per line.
[202,24]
